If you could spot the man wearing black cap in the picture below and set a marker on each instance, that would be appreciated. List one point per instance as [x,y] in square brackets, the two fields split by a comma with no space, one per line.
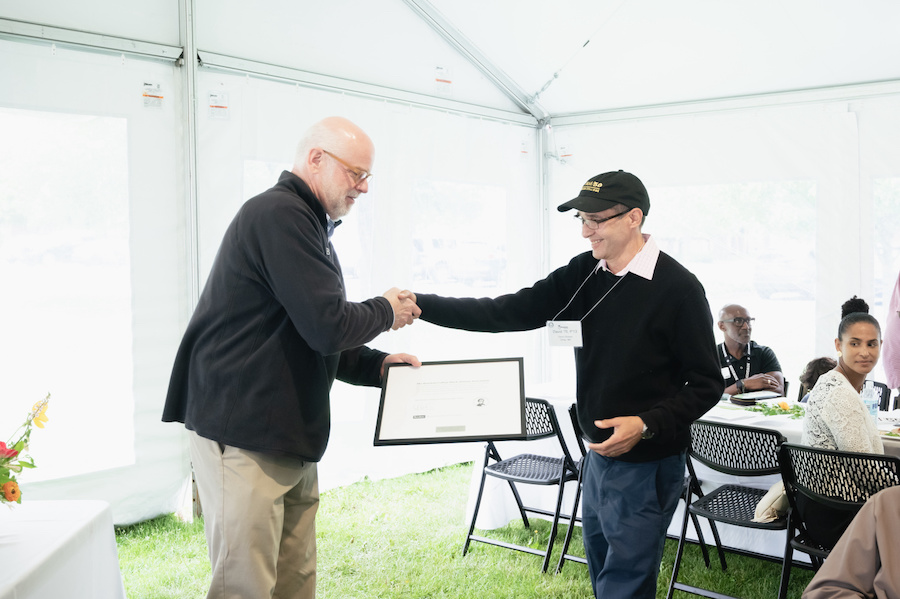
[646,368]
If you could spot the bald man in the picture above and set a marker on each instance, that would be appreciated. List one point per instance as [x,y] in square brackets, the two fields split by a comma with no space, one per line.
[746,365]
[272,330]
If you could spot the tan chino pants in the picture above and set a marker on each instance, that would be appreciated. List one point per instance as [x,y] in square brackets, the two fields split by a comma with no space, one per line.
[259,515]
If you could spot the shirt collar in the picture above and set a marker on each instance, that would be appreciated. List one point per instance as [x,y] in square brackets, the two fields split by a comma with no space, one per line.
[731,358]
[644,262]
[330,225]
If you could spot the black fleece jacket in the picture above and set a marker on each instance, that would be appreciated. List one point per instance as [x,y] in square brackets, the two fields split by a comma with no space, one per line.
[272,330]
[648,348]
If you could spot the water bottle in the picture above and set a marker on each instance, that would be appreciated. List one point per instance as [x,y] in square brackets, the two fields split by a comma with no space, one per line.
[870,399]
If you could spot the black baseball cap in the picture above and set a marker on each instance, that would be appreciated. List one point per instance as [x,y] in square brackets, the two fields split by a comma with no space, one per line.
[607,190]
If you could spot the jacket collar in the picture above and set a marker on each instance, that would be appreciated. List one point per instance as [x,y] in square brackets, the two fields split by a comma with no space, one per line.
[298,186]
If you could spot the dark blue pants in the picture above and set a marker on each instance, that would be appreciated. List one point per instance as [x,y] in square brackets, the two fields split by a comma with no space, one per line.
[626,511]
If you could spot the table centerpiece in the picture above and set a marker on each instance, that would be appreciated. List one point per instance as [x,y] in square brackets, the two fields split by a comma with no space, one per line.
[12,456]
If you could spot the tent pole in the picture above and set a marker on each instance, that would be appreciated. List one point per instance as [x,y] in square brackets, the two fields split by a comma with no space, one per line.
[190,107]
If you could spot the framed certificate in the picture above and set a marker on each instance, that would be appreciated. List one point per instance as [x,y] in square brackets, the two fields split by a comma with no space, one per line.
[446,402]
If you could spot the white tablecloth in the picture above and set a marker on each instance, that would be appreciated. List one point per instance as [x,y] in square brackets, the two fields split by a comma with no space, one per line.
[59,550]
[498,507]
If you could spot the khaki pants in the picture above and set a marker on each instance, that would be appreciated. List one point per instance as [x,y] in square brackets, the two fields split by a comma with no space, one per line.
[259,514]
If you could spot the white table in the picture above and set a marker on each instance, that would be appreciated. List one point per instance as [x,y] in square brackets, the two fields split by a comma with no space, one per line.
[59,550]
[498,507]
[726,411]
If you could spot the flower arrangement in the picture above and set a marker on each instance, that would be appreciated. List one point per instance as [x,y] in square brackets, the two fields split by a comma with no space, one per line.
[12,460]
[795,411]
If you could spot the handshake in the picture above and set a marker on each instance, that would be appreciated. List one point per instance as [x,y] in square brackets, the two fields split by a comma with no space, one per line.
[404,305]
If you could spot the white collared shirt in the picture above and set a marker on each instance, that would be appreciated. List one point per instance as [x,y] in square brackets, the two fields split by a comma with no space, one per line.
[644,262]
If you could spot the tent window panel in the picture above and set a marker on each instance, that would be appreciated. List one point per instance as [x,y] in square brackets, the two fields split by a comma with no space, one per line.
[457,245]
[66,301]
[754,244]
[886,246]
[886,215]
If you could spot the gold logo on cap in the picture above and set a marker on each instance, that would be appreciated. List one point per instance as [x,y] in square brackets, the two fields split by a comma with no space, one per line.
[592,186]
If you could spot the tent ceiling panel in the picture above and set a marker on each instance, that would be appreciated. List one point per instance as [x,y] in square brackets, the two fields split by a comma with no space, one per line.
[613,54]
[149,20]
[571,57]
[381,43]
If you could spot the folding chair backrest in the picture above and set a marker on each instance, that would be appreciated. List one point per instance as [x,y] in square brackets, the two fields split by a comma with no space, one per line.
[826,488]
[541,422]
[842,476]
[540,419]
[734,449]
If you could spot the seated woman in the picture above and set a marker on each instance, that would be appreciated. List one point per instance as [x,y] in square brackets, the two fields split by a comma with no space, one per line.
[814,369]
[836,417]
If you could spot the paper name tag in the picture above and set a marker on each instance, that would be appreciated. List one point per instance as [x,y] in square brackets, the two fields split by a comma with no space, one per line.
[565,333]
[726,374]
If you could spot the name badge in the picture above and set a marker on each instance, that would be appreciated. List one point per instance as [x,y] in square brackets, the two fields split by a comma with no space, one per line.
[726,374]
[564,333]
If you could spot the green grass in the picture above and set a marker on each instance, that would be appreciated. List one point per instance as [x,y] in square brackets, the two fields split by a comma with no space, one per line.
[402,538]
[163,558]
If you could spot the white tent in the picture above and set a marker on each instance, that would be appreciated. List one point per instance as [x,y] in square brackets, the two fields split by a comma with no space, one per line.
[765,132]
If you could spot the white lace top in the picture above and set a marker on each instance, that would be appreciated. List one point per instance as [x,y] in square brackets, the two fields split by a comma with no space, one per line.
[836,417]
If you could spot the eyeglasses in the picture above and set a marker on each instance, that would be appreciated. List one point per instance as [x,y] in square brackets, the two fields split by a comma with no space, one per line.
[594,224]
[740,321]
[357,174]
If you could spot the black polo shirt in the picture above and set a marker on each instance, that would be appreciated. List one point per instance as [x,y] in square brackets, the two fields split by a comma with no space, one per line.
[758,358]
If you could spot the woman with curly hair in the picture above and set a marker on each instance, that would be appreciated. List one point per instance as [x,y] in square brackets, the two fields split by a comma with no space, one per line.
[836,417]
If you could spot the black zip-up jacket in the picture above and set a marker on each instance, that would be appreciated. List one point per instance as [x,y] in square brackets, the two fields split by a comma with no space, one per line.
[272,330]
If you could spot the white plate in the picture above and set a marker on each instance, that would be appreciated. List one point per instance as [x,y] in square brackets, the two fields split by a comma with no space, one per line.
[888,419]
[731,412]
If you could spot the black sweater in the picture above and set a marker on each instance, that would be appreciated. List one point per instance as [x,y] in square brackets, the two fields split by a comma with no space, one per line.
[272,330]
[648,348]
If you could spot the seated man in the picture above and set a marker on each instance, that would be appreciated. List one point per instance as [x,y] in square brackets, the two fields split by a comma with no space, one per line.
[746,366]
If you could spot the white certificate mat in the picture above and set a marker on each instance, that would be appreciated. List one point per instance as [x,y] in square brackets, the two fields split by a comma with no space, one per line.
[443,402]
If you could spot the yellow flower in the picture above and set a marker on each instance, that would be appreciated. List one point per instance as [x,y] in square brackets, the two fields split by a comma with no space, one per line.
[784,405]
[40,412]
[11,491]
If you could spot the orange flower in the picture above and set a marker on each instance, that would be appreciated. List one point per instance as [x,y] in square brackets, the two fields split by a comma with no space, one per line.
[784,405]
[11,491]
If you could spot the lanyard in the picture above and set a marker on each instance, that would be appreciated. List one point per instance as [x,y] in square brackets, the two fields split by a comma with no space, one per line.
[598,301]
[730,361]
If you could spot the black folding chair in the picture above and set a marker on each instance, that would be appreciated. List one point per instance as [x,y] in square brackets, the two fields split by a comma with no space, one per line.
[826,488]
[738,451]
[531,469]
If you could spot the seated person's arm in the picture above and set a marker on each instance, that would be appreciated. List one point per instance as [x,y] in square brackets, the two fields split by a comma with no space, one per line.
[779,381]
[767,381]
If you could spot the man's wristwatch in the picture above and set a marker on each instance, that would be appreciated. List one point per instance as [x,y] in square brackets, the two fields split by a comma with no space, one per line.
[740,385]
[646,433]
